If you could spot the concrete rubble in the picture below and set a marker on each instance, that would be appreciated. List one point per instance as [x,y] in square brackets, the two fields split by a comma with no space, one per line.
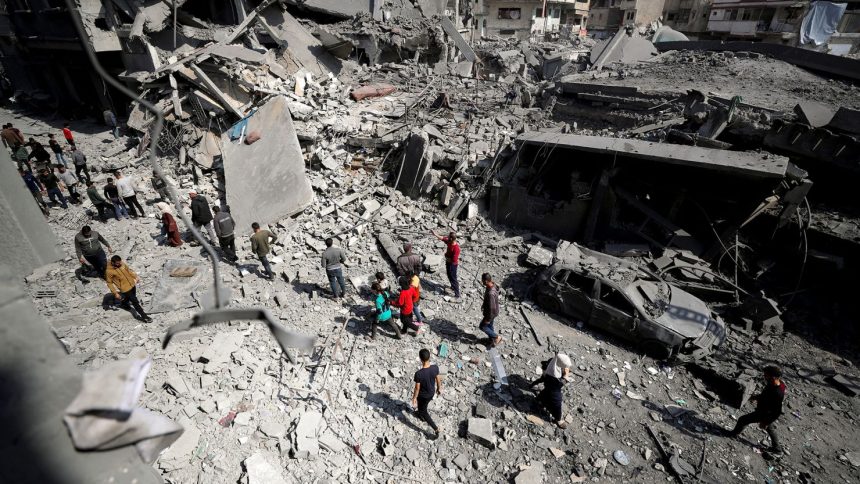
[376,123]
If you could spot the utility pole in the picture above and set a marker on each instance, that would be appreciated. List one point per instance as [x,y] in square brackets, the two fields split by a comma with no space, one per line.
[544,18]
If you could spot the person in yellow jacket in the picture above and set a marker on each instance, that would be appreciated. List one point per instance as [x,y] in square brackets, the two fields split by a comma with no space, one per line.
[122,282]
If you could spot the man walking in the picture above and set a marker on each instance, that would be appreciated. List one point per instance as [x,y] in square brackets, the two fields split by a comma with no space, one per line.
[122,282]
[58,151]
[37,151]
[67,133]
[427,384]
[110,120]
[408,263]
[88,249]
[768,408]
[261,245]
[452,260]
[224,227]
[125,186]
[201,215]
[111,192]
[332,260]
[160,187]
[99,202]
[52,187]
[71,182]
[12,136]
[490,309]
[80,161]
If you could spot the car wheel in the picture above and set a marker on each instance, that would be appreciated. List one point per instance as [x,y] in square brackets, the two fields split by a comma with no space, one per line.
[657,350]
[548,303]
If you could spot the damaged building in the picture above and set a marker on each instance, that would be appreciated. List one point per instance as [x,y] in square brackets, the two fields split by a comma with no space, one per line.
[671,214]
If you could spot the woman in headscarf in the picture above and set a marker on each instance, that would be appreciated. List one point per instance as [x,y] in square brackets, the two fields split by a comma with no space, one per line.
[168,225]
[553,380]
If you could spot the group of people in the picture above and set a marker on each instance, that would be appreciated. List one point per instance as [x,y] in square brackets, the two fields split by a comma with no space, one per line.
[40,175]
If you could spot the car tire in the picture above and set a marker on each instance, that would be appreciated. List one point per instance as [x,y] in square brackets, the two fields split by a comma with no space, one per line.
[656,349]
[548,303]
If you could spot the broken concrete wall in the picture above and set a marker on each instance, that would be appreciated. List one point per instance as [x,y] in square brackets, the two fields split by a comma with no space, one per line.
[27,239]
[304,50]
[39,381]
[584,187]
[816,61]
[266,180]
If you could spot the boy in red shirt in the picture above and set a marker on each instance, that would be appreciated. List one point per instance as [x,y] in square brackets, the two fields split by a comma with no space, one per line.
[405,301]
[452,259]
[67,133]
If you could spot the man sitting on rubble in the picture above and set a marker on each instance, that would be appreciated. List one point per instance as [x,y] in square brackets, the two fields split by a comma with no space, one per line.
[553,378]
[768,408]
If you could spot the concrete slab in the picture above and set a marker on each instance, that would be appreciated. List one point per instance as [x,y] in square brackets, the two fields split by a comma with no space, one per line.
[459,41]
[846,119]
[415,164]
[28,239]
[261,470]
[813,113]
[266,181]
[305,50]
[750,164]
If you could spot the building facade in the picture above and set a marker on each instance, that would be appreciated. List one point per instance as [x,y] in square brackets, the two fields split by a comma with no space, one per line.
[526,19]
[687,16]
[607,16]
[776,21]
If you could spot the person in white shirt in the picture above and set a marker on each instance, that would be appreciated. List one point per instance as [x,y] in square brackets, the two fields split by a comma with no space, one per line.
[125,186]
[70,181]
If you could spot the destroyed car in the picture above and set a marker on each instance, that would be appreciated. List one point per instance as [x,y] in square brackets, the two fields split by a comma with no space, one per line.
[630,302]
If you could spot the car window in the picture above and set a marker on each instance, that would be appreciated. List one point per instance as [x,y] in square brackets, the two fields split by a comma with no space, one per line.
[580,282]
[612,297]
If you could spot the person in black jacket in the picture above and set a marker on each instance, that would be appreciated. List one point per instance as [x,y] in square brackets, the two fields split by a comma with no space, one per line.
[201,215]
[768,408]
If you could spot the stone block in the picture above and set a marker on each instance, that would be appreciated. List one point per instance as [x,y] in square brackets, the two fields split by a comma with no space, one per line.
[480,430]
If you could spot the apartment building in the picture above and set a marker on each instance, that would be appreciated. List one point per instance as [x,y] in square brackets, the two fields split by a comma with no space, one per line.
[687,16]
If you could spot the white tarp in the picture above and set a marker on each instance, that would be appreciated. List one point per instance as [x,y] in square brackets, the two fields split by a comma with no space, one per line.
[820,22]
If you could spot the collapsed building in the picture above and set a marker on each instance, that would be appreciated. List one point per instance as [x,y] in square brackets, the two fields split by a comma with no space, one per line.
[349,120]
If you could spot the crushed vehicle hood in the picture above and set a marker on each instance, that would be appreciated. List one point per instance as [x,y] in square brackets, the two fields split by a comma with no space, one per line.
[686,314]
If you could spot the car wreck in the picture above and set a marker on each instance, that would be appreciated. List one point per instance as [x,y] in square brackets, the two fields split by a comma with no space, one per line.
[631,302]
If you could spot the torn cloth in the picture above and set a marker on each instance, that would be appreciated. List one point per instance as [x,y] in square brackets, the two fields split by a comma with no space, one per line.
[820,22]
[104,414]
[557,365]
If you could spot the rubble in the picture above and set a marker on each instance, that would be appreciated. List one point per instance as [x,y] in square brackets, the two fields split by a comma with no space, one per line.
[386,123]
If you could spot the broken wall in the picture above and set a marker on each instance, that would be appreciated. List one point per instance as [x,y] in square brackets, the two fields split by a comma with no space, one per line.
[266,180]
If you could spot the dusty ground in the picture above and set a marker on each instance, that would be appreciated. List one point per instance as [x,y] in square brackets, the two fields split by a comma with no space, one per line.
[763,82]
[361,387]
